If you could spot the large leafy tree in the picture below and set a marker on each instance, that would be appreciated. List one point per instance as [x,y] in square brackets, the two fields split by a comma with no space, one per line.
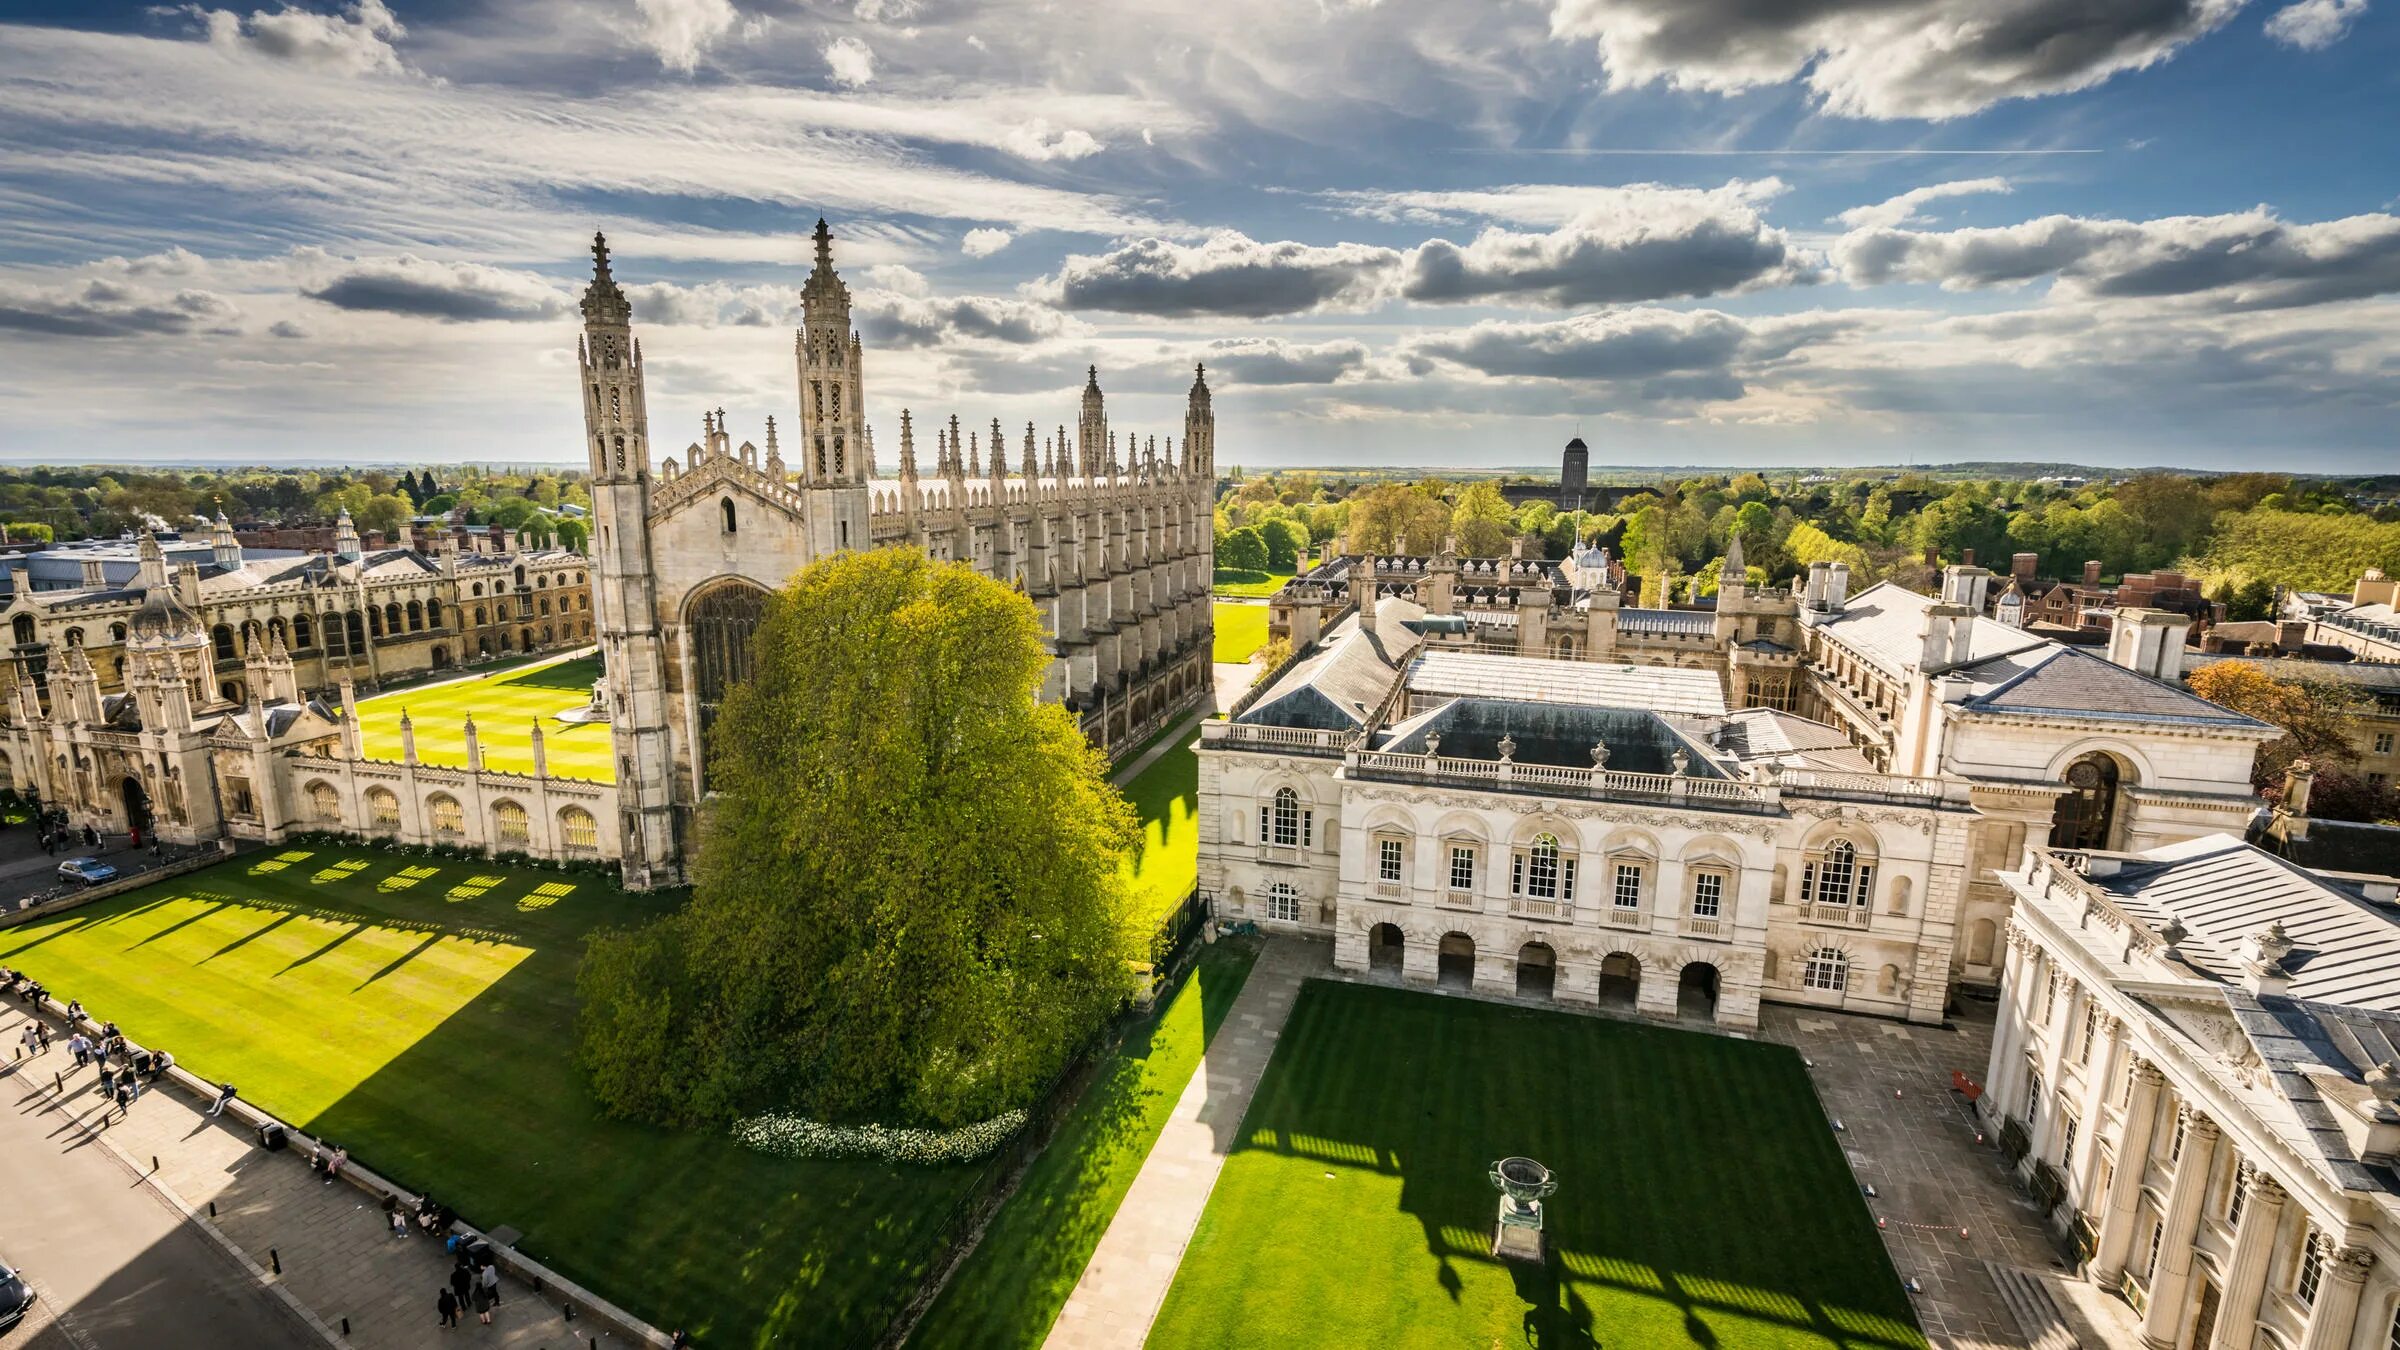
[910,889]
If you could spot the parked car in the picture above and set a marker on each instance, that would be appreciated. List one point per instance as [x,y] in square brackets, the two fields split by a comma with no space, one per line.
[16,1298]
[89,871]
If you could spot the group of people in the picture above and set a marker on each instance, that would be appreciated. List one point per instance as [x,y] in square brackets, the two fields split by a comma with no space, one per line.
[58,834]
[125,1069]
[474,1281]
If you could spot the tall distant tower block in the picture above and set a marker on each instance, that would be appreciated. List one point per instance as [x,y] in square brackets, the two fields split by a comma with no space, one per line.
[1574,475]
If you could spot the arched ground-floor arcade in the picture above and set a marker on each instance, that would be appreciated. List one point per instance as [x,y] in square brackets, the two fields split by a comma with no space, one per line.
[1713,984]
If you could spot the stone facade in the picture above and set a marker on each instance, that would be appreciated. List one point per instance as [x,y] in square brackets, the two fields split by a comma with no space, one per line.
[188,754]
[2191,1066]
[1109,537]
[368,616]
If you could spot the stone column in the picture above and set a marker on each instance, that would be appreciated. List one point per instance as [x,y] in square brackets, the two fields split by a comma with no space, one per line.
[2099,1076]
[1578,982]
[2115,1238]
[2336,1310]
[2246,1269]
[2001,1073]
[2162,1326]
[1421,959]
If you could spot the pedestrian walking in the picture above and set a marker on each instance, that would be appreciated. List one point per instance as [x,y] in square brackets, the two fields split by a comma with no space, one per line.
[125,1091]
[108,1079]
[44,1028]
[447,1306]
[225,1096]
[489,1278]
[81,1048]
[462,1280]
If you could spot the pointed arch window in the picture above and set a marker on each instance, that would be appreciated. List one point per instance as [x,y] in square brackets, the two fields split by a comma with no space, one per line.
[726,507]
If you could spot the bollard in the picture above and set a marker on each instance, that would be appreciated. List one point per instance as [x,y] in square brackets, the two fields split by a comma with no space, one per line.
[275,1260]
[212,1209]
[345,1326]
[153,1162]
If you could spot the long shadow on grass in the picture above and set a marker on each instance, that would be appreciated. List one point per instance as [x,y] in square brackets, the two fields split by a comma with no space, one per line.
[579,673]
[1009,1291]
[489,1112]
[1699,1187]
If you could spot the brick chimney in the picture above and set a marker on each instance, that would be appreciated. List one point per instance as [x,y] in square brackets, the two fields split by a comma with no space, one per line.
[2091,573]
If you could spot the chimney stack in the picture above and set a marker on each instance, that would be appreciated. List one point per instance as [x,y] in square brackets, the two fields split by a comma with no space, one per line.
[2091,573]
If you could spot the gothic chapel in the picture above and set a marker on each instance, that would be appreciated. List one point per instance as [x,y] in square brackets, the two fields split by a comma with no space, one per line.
[1109,537]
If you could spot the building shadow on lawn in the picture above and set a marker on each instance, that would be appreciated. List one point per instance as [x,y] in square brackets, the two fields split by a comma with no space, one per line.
[1700,1189]
[688,1229]
[579,674]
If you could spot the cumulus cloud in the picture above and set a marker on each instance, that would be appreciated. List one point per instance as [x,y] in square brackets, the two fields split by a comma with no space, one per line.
[893,319]
[1651,246]
[1272,360]
[356,41]
[1887,58]
[850,61]
[451,292]
[1650,354]
[983,243]
[1902,210]
[1040,142]
[110,309]
[2314,25]
[680,32]
[285,328]
[1230,273]
[713,305]
[2248,260]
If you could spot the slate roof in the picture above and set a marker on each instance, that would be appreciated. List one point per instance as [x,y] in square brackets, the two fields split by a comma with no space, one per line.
[1663,689]
[1885,625]
[2072,680]
[2316,1056]
[2344,950]
[1680,622]
[1556,734]
[1338,686]
[1754,735]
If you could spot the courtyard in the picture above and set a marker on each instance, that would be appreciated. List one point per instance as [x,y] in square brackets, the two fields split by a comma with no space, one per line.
[1241,629]
[505,704]
[421,1012]
[1702,1197]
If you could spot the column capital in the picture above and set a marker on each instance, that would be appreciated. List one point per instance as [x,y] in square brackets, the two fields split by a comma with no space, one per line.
[2265,1190]
[2147,1074]
[2196,1122]
[2351,1263]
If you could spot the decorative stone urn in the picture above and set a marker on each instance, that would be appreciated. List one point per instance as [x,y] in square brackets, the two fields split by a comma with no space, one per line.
[1523,1185]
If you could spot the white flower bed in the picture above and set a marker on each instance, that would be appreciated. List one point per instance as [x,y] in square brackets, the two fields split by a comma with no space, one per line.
[800,1137]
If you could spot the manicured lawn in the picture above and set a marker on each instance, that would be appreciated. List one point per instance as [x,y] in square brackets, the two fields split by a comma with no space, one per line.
[1165,795]
[1702,1199]
[505,705]
[422,1012]
[1256,585]
[1241,630]
[1011,1288]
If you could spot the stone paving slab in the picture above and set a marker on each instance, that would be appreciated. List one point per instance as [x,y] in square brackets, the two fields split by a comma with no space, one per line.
[335,1255]
[1948,1202]
[1122,1286]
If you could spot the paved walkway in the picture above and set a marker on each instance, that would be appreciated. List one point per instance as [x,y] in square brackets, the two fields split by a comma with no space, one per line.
[336,1256]
[1912,1138]
[1159,745]
[1118,1297]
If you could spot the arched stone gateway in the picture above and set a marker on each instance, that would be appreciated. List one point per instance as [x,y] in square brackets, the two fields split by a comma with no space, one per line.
[1387,948]
[1454,966]
[2086,814]
[137,805]
[1537,971]
[1620,980]
[1696,992]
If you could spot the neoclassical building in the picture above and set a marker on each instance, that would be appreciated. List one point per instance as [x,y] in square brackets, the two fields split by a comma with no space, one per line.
[2197,1069]
[1597,834]
[2046,742]
[1109,534]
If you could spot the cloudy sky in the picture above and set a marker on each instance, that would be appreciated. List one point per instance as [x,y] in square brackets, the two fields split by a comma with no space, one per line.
[1447,232]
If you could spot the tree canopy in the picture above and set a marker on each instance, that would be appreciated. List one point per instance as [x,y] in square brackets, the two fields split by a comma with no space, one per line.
[910,891]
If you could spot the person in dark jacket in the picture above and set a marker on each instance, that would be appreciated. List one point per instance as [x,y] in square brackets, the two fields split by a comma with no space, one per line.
[447,1305]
